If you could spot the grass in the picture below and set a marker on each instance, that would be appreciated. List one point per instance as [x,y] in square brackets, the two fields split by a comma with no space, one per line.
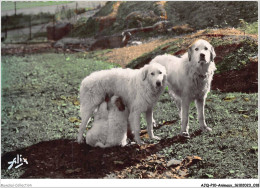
[38,97]
[252,28]
[7,5]
[249,28]
[40,103]
[227,150]
[239,58]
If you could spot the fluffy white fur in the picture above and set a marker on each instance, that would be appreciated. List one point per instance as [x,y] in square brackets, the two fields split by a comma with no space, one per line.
[109,127]
[140,90]
[189,78]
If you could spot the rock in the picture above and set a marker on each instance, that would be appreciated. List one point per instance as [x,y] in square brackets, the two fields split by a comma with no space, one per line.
[136,43]
[114,41]
[173,162]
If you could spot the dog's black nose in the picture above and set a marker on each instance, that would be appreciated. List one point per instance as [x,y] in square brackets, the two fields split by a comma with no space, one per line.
[158,84]
[202,56]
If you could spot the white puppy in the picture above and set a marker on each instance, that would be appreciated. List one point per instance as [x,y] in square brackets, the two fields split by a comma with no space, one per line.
[110,125]
[140,90]
[189,78]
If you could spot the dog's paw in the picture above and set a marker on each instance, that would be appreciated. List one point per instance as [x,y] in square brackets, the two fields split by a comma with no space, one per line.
[80,139]
[185,134]
[156,138]
[155,125]
[206,129]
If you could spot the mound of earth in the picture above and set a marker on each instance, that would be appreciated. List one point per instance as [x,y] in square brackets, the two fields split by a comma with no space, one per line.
[186,16]
[243,80]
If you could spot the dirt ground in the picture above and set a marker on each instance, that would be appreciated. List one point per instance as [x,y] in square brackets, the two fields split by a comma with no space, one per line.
[68,159]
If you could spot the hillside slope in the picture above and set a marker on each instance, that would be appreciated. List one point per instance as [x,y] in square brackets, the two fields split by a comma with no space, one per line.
[115,16]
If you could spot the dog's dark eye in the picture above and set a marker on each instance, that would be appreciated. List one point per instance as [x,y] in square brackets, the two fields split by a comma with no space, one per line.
[206,48]
[160,72]
[196,49]
[152,73]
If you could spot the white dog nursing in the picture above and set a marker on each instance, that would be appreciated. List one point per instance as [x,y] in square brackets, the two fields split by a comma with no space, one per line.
[189,78]
[139,89]
[110,124]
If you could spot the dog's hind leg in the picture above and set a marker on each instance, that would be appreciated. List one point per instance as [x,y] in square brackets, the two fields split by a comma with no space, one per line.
[177,101]
[149,120]
[178,104]
[85,115]
[101,145]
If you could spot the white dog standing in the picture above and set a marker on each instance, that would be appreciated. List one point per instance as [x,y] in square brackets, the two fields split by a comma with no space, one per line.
[189,78]
[140,90]
[110,125]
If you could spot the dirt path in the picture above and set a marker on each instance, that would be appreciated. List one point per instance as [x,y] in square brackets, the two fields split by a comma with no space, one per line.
[123,56]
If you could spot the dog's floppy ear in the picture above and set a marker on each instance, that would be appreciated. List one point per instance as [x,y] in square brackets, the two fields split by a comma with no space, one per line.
[144,72]
[212,54]
[190,52]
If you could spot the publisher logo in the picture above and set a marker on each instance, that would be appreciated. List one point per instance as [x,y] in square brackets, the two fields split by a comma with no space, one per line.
[17,162]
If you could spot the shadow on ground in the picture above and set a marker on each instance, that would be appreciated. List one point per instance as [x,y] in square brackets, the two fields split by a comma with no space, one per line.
[68,159]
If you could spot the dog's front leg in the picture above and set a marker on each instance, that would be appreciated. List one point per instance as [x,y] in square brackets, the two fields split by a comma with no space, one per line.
[134,119]
[185,105]
[150,121]
[200,103]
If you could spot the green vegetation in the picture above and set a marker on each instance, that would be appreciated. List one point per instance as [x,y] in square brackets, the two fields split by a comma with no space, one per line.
[240,57]
[8,5]
[252,28]
[249,28]
[39,97]
[230,146]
